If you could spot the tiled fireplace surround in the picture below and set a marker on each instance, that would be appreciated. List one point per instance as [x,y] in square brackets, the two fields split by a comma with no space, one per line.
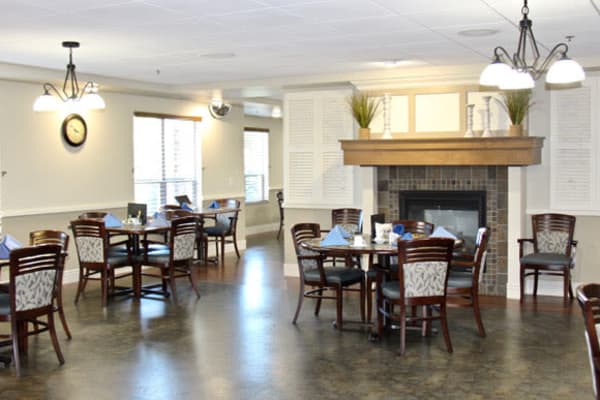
[491,179]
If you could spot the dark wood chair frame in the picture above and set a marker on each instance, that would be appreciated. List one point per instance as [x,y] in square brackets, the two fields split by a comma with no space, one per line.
[306,231]
[171,212]
[279,197]
[588,297]
[24,261]
[469,296]
[555,223]
[412,251]
[231,232]
[106,270]
[42,237]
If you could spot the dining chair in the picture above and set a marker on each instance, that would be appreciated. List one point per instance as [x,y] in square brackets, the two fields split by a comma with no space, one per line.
[465,276]
[588,297]
[553,251]
[421,280]
[351,219]
[224,230]
[321,279]
[42,237]
[98,260]
[35,273]
[279,196]
[175,261]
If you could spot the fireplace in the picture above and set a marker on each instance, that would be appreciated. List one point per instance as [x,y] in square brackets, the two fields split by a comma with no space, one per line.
[461,212]
[491,181]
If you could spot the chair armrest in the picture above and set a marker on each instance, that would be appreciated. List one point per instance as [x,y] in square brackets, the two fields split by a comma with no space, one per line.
[574,243]
[521,243]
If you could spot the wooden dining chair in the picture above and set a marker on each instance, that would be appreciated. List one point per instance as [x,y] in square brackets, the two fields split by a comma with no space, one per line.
[421,280]
[466,275]
[553,251]
[279,196]
[225,228]
[34,276]
[42,237]
[176,260]
[321,279]
[97,258]
[588,297]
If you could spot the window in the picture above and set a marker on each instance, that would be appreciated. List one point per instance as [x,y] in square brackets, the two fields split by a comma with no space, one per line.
[256,164]
[167,159]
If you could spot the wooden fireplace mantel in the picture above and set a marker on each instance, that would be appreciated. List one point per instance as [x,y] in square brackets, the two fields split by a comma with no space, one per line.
[510,151]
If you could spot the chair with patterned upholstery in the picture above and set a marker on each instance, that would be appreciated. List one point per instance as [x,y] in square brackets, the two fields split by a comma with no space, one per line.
[588,297]
[34,276]
[98,260]
[225,227]
[42,237]
[465,276]
[553,251]
[422,280]
[176,260]
[321,279]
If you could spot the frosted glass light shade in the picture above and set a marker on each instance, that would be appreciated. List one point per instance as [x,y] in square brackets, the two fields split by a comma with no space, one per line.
[494,73]
[45,102]
[517,80]
[92,101]
[565,70]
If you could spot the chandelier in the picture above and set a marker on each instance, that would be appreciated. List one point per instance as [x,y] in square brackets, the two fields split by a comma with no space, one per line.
[88,96]
[525,66]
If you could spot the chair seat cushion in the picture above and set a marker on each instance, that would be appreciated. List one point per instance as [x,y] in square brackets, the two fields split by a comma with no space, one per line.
[336,275]
[460,279]
[118,259]
[4,304]
[372,273]
[391,289]
[547,259]
[215,230]
[158,256]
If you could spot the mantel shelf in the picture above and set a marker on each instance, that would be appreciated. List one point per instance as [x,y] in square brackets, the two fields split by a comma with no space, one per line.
[510,151]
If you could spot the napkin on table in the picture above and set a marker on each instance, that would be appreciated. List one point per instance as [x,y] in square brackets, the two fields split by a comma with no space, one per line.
[398,229]
[345,234]
[185,206]
[214,204]
[441,232]
[7,244]
[334,238]
[111,221]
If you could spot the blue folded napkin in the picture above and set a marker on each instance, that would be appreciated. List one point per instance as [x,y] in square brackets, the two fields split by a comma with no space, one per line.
[441,232]
[407,236]
[334,238]
[214,204]
[7,244]
[398,229]
[158,221]
[345,234]
[185,206]
[110,221]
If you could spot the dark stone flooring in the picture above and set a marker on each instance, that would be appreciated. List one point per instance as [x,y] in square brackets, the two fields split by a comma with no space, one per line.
[237,342]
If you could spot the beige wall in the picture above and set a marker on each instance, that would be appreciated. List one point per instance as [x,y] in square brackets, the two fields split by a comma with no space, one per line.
[47,183]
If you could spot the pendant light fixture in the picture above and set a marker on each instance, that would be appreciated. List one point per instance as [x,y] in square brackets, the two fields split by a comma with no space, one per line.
[87,96]
[525,66]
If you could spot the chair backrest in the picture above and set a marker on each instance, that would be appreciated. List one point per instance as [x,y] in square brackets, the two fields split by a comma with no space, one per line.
[376,219]
[93,215]
[307,259]
[553,233]
[279,197]
[171,207]
[588,297]
[33,277]
[419,229]
[228,220]
[183,238]
[91,241]
[351,219]
[480,255]
[423,267]
[40,237]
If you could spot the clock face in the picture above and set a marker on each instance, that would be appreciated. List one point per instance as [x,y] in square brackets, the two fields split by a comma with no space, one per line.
[74,129]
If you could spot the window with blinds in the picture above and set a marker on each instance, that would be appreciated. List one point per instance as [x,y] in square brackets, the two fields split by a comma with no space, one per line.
[256,164]
[167,160]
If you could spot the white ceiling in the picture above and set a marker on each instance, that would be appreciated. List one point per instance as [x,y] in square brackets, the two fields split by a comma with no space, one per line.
[253,48]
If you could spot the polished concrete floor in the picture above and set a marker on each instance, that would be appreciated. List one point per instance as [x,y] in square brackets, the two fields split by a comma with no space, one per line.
[237,342]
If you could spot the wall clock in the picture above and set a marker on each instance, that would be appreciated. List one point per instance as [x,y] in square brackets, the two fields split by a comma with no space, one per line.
[74,129]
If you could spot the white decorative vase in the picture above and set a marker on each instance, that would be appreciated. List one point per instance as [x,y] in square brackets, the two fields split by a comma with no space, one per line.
[387,116]
[469,132]
[486,118]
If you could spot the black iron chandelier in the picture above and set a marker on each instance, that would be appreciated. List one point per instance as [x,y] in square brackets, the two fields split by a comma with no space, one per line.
[525,66]
[87,96]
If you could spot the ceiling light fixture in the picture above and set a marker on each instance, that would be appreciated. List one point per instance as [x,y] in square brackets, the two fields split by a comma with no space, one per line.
[525,66]
[88,96]
[218,109]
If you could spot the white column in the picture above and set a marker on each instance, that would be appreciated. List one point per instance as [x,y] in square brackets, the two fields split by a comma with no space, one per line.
[516,221]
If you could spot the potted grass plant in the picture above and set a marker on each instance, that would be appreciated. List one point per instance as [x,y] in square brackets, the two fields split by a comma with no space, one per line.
[516,103]
[364,108]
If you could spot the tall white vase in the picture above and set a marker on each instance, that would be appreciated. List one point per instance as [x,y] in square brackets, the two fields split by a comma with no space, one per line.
[487,132]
